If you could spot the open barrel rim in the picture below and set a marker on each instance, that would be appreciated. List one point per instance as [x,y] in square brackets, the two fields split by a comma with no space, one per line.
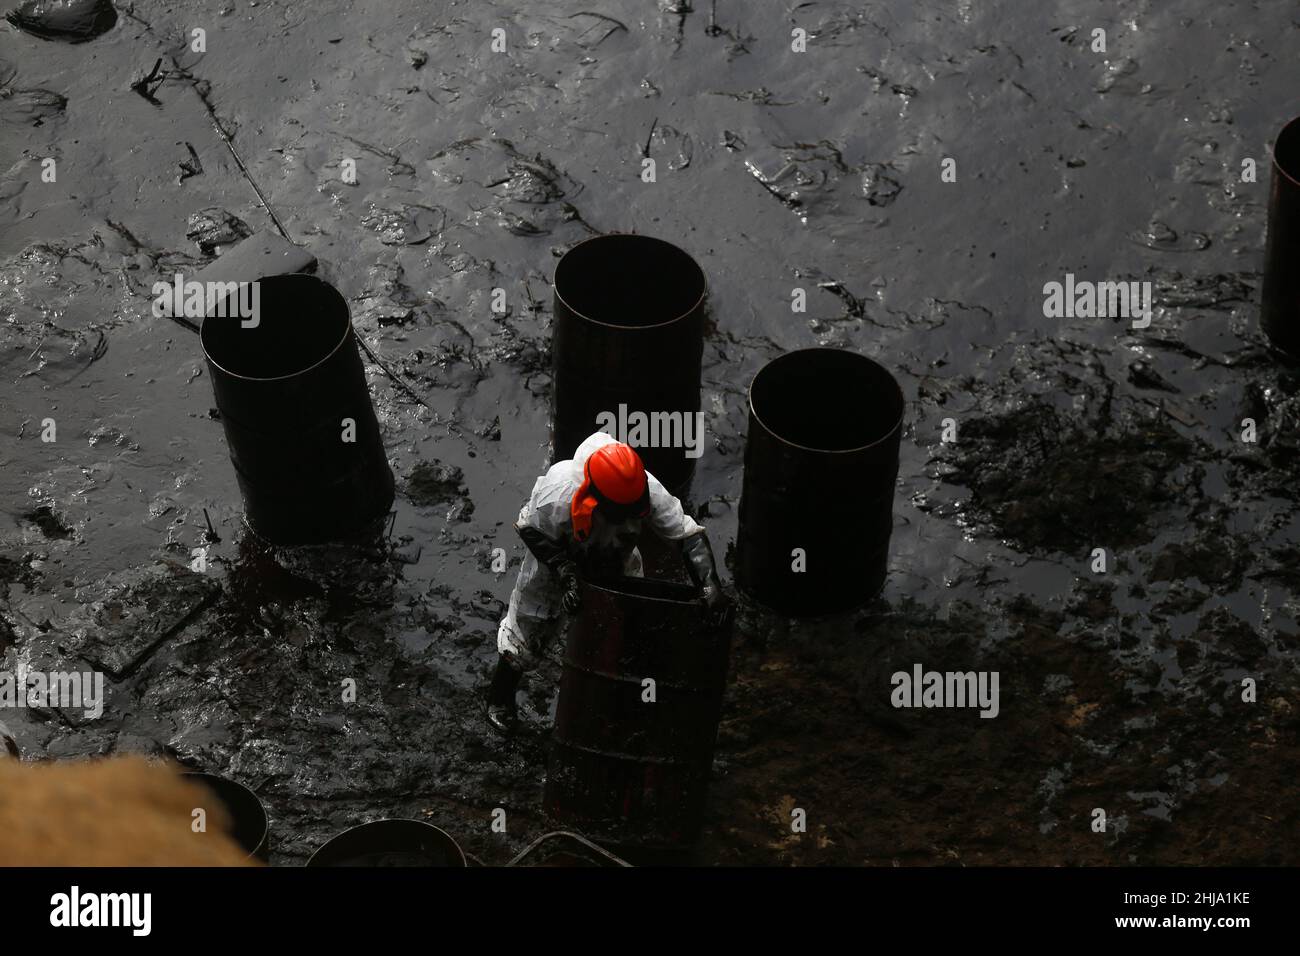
[1283,144]
[344,311]
[214,783]
[320,857]
[606,237]
[799,354]
[628,586]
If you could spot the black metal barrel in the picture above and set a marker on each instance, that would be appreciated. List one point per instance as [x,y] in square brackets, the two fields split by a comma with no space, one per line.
[629,331]
[285,388]
[249,827]
[1280,313]
[821,458]
[624,771]
[390,843]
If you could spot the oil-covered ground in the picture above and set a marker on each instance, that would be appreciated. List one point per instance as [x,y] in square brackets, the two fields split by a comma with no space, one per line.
[1121,689]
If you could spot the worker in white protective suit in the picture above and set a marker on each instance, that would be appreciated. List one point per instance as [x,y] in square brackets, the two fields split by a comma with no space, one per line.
[584,516]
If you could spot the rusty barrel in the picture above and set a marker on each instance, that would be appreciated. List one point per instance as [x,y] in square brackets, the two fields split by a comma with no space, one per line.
[625,770]
[299,424]
[627,347]
[817,499]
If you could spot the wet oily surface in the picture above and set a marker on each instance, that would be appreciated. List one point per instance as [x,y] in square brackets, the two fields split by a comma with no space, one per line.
[1119,689]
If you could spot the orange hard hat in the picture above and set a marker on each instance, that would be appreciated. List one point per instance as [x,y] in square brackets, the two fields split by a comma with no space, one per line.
[613,479]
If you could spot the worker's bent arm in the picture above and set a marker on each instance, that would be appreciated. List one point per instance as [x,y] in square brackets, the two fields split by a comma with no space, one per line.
[545,549]
[668,519]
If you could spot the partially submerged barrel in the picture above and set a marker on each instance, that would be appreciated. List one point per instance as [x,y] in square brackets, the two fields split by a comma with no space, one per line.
[296,409]
[249,827]
[623,770]
[1280,311]
[821,459]
[628,341]
[390,843]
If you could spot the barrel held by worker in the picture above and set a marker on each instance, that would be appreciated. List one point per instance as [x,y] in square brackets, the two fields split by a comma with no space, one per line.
[584,518]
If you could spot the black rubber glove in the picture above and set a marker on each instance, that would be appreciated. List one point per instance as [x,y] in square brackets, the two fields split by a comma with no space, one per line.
[552,554]
[699,561]
[572,598]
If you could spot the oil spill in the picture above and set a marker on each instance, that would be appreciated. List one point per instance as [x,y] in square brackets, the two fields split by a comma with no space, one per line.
[475,171]
[72,21]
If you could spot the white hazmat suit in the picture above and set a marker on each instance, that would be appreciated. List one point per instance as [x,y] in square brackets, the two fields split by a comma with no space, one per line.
[532,618]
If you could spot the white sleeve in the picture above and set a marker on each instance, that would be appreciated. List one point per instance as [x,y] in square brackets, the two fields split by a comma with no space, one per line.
[668,519]
[547,508]
[528,515]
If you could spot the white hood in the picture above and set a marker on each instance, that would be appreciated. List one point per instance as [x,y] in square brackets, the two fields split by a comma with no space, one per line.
[589,446]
